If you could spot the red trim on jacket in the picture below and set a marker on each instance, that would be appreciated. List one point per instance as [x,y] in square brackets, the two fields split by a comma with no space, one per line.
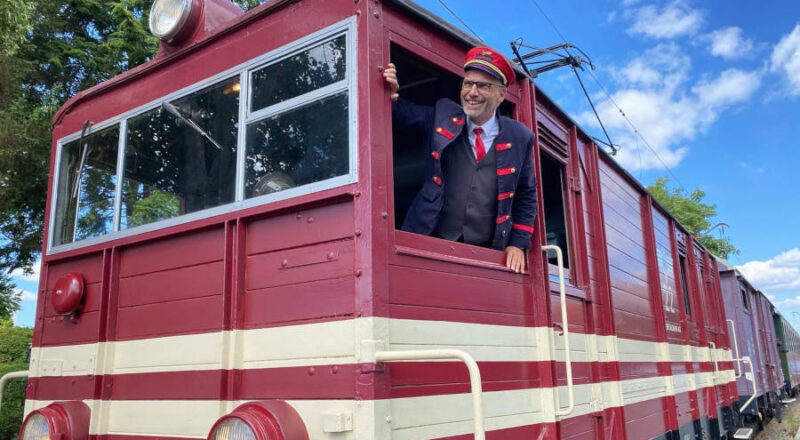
[502,147]
[503,219]
[506,171]
[521,227]
[505,195]
[445,133]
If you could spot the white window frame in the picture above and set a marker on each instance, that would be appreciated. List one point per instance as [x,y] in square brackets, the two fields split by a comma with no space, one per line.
[345,27]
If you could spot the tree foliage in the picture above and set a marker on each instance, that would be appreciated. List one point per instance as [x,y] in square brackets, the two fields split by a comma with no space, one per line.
[693,214]
[51,50]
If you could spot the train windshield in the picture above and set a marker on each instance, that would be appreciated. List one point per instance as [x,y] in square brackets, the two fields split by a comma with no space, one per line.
[190,153]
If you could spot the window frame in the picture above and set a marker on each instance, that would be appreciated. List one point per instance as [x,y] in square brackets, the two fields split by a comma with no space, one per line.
[409,244]
[347,27]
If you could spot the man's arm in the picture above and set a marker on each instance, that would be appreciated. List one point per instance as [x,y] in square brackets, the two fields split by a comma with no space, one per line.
[523,213]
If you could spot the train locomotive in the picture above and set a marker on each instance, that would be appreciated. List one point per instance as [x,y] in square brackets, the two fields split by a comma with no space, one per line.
[223,259]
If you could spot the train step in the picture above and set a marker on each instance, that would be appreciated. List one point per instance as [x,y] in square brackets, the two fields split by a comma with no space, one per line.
[743,433]
[787,401]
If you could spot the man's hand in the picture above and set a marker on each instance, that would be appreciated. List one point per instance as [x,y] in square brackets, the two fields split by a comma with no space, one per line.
[390,76]
[515,259]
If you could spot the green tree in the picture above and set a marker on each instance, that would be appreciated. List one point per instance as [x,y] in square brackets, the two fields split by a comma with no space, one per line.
[49,53]
[9,299]
[14,343]
[693,214]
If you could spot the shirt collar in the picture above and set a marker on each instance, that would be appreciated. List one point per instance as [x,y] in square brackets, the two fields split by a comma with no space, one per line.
[490,127]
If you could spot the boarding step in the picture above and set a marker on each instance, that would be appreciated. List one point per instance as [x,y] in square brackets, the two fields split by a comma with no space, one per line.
[788,401]
[743,433]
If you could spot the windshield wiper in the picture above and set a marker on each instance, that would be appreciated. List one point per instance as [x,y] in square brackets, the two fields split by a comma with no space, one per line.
[82,164]
[174,111]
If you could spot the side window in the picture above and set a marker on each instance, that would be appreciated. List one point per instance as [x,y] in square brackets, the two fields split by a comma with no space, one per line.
[298,129]
[174,168]
[86,185]
[422,83]
[685,285]
[744,298]
[555,207]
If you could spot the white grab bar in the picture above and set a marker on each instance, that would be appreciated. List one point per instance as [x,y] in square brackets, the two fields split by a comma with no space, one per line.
[6,378]
[736,346]
[472,366]
[565,327]
[746,359]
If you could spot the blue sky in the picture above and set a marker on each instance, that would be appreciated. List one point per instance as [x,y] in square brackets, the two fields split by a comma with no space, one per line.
[714,88]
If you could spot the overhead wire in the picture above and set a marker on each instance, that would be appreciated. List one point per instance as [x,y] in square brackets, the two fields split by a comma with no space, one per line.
[611,99]
[463,23]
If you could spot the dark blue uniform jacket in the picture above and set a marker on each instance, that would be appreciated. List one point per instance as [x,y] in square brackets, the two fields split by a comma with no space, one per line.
[516,184]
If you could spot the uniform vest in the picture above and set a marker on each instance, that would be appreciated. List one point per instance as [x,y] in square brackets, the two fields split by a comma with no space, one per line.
[470,202]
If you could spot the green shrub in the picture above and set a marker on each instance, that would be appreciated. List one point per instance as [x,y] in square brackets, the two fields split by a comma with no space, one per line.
[13,401]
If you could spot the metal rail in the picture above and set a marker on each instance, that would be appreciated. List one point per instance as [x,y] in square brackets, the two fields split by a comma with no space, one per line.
[6,378]
[746,359]
[736,346]
[565,326]
[472,366]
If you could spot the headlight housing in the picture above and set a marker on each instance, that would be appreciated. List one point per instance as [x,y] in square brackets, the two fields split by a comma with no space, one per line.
[265,420]
[60,420]
[169,17]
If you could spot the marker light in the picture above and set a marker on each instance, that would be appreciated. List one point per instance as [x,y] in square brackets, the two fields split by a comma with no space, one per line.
[168,17]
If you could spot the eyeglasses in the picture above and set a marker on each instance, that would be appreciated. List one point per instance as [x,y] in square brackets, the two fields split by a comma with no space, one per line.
[482,85]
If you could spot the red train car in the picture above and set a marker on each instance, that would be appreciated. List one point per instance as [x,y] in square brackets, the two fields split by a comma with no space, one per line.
[223,256]
[751,313]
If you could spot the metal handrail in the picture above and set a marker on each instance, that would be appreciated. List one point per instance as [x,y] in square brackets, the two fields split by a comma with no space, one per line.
[6,378]
[472,366]
[746,359]
[736,346]
[565,328]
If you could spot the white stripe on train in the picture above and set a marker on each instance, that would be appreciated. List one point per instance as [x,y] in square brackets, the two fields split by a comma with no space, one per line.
[343,342]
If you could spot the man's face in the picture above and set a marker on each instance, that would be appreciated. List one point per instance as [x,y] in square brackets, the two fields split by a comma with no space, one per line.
[480,105]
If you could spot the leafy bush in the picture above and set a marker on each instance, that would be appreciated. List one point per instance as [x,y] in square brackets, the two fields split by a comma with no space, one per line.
[13,401]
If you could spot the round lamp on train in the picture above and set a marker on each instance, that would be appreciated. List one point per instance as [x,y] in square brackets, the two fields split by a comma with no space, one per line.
[265,420]
[170,19]
[60,420]
[68,293]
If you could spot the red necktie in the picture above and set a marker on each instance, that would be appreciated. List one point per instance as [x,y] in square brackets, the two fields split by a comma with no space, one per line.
[480,149]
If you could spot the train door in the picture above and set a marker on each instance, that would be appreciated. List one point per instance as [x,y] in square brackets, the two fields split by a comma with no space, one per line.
[566,189]
[705,374]
[691,401]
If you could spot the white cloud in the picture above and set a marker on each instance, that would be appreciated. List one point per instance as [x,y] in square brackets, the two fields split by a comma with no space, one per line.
[27,295]
[729,43]
[667,112]
[15,318]
[674,20]
[34,276]
[786,59]
[781,273]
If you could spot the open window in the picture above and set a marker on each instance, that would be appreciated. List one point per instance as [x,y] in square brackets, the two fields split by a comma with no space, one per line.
[422,83]
[687,303]
[555,207]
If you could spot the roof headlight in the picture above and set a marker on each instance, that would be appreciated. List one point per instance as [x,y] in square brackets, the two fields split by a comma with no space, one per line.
[168,17]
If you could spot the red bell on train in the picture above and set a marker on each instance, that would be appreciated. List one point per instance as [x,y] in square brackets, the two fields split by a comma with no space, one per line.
[68,293]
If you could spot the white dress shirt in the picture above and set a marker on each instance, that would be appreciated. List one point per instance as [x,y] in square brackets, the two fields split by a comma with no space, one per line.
[490,131]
